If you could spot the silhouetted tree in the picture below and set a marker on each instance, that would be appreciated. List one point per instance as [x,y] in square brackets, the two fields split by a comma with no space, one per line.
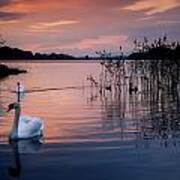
[2,41]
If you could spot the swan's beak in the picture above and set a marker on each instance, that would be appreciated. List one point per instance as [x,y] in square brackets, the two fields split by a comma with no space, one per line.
[10,107]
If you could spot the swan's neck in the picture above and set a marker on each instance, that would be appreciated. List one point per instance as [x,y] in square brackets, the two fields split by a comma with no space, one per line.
[14,132]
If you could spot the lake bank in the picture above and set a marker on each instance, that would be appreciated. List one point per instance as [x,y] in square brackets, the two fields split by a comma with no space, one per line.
[6,71]
[50,61]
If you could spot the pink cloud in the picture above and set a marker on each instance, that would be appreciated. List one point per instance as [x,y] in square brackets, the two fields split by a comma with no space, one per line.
[98,42]
[153,6]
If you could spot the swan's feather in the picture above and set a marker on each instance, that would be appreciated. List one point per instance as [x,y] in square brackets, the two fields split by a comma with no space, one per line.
[29,127]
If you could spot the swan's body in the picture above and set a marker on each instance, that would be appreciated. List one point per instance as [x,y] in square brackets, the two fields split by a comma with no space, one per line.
[28,127]
[25,127]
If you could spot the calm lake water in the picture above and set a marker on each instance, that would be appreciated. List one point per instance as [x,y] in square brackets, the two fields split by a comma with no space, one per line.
[86,135]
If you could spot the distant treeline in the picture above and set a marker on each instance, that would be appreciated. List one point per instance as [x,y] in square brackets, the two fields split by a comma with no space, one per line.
[159,49]
[8,53]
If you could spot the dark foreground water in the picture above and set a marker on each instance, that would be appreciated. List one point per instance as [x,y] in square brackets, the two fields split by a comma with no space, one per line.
[88,136]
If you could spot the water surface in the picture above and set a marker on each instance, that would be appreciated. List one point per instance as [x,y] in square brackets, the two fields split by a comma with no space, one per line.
[86,135]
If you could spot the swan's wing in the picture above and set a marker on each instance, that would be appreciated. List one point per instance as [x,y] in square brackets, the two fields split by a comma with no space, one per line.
[29,127]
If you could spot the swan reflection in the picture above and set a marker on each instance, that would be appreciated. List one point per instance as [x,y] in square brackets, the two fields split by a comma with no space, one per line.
[22,147]
[20,96]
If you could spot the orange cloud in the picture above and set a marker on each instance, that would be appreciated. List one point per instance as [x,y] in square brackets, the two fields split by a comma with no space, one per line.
[153,6]
[38,6]
[46,25]
[9,22]
[42,31]
[19,8]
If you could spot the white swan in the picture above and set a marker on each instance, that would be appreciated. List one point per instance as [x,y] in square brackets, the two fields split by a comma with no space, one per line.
[24,127]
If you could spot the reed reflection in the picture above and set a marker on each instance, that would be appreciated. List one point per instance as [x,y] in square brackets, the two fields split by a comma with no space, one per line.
[140,117]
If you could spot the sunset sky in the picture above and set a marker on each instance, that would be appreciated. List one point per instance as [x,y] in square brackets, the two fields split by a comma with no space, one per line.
[81,27]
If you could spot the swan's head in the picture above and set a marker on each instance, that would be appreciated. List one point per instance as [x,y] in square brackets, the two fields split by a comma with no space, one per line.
[13,106]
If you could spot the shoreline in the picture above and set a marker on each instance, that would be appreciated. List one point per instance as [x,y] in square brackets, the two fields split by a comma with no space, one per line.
[50,61]
[6,71]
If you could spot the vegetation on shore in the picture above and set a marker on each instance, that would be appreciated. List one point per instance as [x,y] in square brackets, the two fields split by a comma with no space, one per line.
[151,68]
[163,66]
[160,48]
[6,71]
